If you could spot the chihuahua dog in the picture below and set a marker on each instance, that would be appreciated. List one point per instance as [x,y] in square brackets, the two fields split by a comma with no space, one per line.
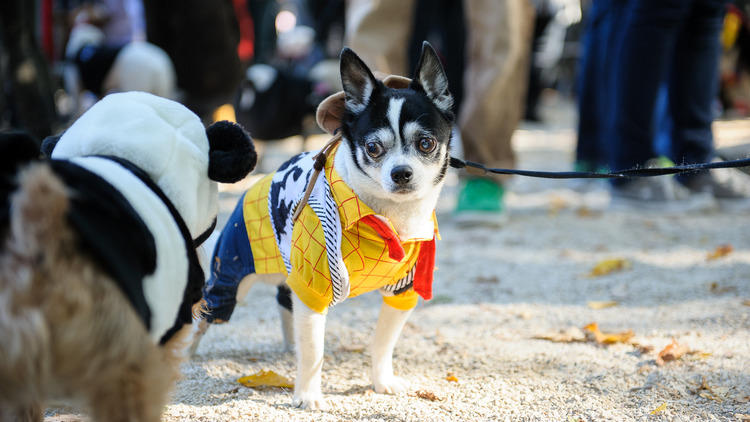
[368,223]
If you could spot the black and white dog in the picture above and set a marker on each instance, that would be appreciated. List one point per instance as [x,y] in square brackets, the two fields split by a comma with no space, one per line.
[392,159]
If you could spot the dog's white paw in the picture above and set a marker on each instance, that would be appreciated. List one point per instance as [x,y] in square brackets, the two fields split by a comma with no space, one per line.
[310,401]
[390,385]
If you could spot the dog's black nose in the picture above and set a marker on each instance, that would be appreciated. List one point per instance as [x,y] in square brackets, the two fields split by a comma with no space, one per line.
[401,174]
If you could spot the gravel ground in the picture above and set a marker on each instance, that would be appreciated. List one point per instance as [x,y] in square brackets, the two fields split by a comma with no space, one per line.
[495,291]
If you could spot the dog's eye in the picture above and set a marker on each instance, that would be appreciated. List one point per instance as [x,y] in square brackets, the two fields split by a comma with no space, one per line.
[427,145]
[374,149]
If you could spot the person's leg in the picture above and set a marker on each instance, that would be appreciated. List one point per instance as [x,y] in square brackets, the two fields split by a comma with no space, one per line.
[694,82]
[379,32]
[648,43]
[498,54]
[590,117]
[495,79]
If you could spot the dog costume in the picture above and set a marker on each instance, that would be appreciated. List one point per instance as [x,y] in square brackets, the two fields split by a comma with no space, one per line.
[142,173]
[337,247]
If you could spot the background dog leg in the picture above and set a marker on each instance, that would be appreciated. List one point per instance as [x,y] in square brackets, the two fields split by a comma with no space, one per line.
[284,299]
[390,323]
[309,336]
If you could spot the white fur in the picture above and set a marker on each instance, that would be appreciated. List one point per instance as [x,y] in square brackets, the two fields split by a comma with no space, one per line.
[164,288]
[387,331]
[309,333]
[394,113]
[358,105]
[162,137]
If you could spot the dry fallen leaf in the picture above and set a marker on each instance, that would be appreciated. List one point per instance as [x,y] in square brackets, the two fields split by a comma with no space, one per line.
[607,266]
[572,334]
[427,395]
[709,393]
[608,338]
[742,417]
[265,379]
[672,351]
[601,304]
[661,408]
[746,302]
[643,348]
[556,204]
[451,377]
[719,252]
[352,348]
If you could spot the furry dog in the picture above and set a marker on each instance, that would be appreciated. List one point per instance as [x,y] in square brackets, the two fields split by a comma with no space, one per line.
[99,266]
[367,224]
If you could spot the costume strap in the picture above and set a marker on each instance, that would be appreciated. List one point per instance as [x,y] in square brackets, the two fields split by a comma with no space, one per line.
[318,166]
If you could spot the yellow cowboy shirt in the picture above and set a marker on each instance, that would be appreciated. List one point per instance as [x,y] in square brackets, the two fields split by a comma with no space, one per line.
[365,253]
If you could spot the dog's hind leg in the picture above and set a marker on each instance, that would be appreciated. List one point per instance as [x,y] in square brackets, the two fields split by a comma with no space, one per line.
[284,299]
[390,324]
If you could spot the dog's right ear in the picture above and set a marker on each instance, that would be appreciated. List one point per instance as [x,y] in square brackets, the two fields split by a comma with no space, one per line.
[358,81]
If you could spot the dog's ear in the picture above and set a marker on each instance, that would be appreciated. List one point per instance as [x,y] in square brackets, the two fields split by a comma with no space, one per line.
[231,152]
[433,80]
[358,81]
[48,144]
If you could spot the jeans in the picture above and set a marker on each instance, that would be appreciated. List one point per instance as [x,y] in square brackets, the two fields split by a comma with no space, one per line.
[601,41]
[231,261]
[677,42]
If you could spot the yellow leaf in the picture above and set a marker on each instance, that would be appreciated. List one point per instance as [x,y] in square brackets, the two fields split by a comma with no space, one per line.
[746,302]
[608,338]
[661,408]
[607,266]
[451,377]
[720,251]
[672,351]
[601,304]
[265,379]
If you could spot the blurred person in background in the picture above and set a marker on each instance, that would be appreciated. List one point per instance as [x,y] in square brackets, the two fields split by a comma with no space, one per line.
[601,41]
[201,37]
[27,100]
[675,42]
[496,63]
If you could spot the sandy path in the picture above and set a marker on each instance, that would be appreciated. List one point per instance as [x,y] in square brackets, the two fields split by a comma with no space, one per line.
[497,289]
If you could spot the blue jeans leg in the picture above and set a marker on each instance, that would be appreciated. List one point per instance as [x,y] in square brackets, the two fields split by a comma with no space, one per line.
[694,82]
[648,49]
[232,260]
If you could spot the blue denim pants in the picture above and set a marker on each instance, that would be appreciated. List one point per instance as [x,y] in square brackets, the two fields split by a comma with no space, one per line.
[674,42]
[601,41]
[231,261]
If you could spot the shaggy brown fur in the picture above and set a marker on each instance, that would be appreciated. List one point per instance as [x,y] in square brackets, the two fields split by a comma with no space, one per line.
[67,331]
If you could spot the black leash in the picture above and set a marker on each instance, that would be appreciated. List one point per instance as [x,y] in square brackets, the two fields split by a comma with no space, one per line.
[478,168]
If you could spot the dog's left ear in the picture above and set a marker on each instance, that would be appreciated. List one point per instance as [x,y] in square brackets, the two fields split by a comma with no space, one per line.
[433,80]
[231,152]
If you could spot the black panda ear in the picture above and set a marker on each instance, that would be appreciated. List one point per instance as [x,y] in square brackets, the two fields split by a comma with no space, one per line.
[17,148]
[48,144]
[231,153]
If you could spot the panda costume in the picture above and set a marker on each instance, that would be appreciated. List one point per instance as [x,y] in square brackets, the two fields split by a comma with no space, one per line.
[144,173]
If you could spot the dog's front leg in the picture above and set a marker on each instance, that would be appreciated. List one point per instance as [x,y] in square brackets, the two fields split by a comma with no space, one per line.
[390,323]
[309,337]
